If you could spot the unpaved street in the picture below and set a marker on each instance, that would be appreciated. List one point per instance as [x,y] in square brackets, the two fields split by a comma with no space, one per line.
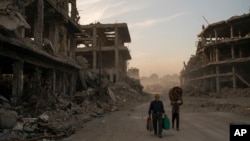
[130,125]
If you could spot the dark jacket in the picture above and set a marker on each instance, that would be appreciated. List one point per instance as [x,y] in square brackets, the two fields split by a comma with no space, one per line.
[156,107]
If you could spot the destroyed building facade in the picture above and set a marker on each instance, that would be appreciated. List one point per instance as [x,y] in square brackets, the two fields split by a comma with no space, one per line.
[37,47]
[103,45]
[222,57]
[47,86]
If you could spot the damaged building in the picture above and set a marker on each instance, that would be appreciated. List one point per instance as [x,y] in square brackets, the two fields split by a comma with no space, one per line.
[103,46]
[134,73]
[222,57]
[48,85]
[38,50]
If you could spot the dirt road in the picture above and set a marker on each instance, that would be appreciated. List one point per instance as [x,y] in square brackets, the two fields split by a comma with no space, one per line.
[129,125]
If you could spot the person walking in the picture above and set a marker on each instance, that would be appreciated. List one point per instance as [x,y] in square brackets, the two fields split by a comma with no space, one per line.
[176,112]
[157,110]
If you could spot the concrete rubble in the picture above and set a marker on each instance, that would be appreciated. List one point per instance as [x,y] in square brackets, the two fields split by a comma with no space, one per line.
[48,89]
[11,19]
[227,100]
[40,119]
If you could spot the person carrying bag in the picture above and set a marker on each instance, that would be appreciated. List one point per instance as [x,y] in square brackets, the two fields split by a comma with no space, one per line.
[156,110]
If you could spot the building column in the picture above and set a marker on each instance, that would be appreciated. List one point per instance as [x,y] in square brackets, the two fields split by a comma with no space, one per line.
[232,31]
[234,77]
[217,54]
[116,55]
[38,23]
[205,57]
[64,84]
[94,37]
[232,52]
[215,35]
[17,83]
[72,83]
[73,46]
[94,48]
[217,78]
[240,52]
[210,56]
[117,64]
[74,11]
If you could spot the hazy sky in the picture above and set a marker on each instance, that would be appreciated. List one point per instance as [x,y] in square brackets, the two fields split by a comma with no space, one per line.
[163,32]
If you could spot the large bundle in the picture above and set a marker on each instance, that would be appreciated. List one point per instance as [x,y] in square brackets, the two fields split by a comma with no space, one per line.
[175,93]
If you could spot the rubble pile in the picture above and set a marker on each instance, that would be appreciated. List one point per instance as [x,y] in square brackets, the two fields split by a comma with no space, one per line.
[229,92]
[43,116]
[227,100]
[26,121]
[224,93]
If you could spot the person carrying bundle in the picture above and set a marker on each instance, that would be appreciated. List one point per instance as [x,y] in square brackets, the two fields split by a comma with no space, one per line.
[175,95]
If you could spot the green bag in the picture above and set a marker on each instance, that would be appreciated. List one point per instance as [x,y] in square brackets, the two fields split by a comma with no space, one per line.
[166,123]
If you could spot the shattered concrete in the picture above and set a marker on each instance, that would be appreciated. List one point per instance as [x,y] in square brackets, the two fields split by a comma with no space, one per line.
[7,119]
[40,118]
[11,19]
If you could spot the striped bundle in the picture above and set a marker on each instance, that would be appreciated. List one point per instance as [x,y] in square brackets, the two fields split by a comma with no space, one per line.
[175,93]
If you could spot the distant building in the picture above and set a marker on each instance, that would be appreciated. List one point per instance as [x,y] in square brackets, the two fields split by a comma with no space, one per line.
[222,57]
[133,73]
[103,45]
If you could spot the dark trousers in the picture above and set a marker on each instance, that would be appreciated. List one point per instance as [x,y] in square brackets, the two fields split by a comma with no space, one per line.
[157,123]
[177,117]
